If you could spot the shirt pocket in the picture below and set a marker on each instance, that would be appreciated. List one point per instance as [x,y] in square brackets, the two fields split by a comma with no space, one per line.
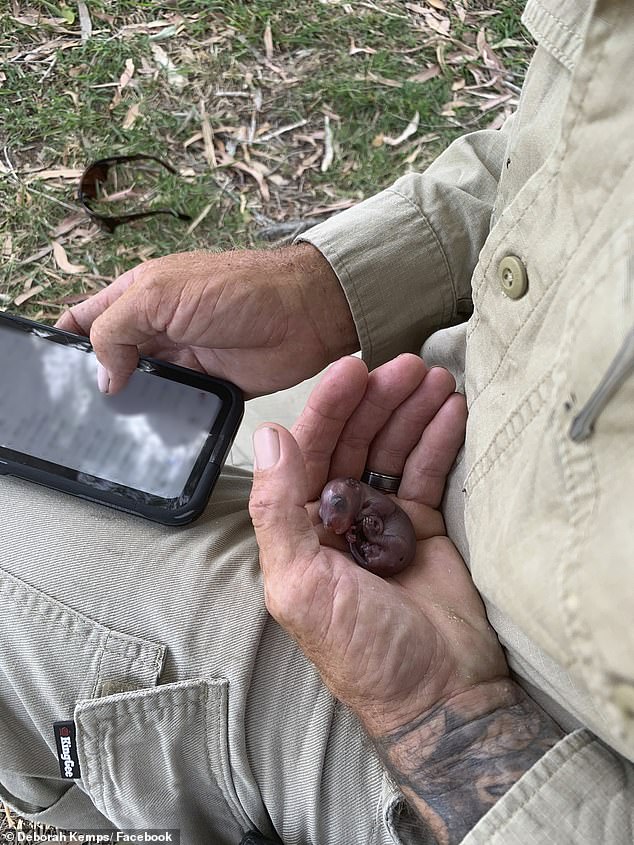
[594,379]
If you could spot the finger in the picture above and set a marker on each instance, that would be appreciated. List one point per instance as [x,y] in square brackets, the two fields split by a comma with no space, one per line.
[327,410]
[388,387]
[283,530]
[392,445]
[118,332]
[96,317]
[80,317]
[425,472]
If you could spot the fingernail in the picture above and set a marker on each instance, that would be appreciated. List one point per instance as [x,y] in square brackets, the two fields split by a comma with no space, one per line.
[266,447]
[103,379]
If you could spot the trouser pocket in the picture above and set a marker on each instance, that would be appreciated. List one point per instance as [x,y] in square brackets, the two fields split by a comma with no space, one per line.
[51,657]
[159,758]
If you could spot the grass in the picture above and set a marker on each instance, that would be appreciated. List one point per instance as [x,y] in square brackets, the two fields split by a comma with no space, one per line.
[345,71]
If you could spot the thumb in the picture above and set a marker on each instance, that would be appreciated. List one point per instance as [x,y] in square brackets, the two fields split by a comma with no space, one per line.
[283,529]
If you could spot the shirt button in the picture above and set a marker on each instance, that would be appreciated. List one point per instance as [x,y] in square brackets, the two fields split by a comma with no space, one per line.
[512,276]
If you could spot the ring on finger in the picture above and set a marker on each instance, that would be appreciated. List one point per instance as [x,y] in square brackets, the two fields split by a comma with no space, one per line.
[381,481]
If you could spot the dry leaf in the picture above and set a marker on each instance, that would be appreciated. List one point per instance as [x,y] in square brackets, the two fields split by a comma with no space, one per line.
[30,259]
[67,224]
[72,298]
[56,173]
[409,130]
[268,41]
[437,4]
[29,293]
[84,21]
[416,7]
[74,97]
[124,79]
[382,80]
[429,73]
[329,152]
[336,206]
[507,42]
[61,259]
[197,136]
[253,172]
[307,163]
[168,32]
[208,137]
[137,28]
[131,116]
[411,158]
[437,23]
[354,49]
[498,121]
[174,78]
[200,218]
[208,140]
[280,131]
[495,102]
[486,51]
[40,20]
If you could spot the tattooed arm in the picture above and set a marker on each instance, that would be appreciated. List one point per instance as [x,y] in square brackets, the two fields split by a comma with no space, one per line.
[454,762]
[412,655]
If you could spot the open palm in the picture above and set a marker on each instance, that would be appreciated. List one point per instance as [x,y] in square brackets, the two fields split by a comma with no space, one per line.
[388,648]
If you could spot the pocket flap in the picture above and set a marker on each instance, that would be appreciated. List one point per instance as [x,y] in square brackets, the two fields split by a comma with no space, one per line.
[159,758]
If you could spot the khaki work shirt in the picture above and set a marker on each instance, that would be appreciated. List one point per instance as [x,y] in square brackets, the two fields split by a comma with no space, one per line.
[541,504]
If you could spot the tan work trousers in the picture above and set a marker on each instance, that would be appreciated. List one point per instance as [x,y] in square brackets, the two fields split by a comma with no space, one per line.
[193,708]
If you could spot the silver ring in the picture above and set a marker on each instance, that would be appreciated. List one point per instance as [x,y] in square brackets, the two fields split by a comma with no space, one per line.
[380,481]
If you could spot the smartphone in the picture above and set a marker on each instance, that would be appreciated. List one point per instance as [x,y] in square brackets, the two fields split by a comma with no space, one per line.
[155,449]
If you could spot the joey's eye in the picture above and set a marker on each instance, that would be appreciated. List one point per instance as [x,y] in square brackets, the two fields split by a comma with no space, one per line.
[338,503]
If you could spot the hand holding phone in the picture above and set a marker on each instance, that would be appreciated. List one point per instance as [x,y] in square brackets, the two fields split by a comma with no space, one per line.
[263,319]
[155,449]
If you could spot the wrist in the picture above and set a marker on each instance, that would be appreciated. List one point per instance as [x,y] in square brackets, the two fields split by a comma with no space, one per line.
[455,760]
[323,302]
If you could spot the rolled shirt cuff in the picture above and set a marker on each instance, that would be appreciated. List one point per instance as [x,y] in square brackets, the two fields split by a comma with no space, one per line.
[393,270]
[579,793]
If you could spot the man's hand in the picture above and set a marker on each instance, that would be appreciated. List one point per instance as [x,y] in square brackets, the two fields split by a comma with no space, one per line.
[390,649]
[413,655]
[264,320]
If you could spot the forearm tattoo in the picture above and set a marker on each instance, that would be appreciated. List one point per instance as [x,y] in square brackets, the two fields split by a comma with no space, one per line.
[454,762]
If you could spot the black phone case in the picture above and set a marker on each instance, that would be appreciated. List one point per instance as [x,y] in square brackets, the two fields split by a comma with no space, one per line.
[174,512]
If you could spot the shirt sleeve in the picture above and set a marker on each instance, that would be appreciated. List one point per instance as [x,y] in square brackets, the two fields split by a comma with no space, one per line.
[579,793]
[405,256]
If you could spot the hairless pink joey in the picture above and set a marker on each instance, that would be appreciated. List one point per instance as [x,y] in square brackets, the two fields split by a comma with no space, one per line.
[380,534]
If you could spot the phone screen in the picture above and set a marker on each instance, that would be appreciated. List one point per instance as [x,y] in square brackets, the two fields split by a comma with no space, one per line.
[148,437]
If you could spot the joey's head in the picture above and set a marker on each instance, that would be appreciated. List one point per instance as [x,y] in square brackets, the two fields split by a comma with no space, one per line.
[340,503]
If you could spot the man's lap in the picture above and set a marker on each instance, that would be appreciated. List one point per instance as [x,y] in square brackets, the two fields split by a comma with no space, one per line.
[195,709]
